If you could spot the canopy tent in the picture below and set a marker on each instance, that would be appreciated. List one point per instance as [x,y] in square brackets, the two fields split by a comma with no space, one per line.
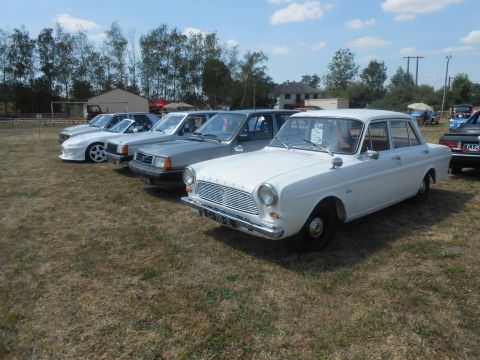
[158,104]
[178,106]
[420,107]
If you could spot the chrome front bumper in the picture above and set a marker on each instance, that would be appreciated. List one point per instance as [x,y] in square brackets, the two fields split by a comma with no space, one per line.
[242,224]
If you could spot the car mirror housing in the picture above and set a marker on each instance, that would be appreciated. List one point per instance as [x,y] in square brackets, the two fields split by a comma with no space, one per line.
[371,154]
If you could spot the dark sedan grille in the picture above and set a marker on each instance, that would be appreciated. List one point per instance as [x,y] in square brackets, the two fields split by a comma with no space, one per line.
[111,148]
[227,196]
[144,158]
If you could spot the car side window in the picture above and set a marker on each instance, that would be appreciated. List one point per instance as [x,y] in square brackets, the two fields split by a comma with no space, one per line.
[116,119]
[258,128]
[193,123]
[142,121]
[403,134]
[376,137]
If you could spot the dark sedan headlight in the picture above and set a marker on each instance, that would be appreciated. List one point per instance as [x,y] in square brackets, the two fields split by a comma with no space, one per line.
[267,194]
[189,176]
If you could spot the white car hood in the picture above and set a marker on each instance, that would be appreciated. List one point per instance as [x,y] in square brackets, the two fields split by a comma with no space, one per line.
[86,139]
[141,138]
[247,171]
[76,127]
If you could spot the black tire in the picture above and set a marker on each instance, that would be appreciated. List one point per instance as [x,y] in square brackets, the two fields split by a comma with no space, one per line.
[424,191]
[96,153]
[455,169]
[318,229]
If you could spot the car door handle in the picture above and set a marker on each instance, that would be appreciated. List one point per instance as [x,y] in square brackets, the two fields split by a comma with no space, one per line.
[396,157]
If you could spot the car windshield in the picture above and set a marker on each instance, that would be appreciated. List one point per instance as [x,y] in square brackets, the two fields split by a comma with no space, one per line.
[168,124]
[474,118]
[93,120]
[462,108]
[320,134]
[122,126]
[221,126]
[102,121]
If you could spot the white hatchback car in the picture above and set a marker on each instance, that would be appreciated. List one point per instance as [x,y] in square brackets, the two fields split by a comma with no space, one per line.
[323,168]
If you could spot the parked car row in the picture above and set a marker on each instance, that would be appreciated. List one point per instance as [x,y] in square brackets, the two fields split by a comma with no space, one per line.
[277,173]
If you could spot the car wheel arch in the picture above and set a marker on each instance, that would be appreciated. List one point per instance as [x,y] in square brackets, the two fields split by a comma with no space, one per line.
[335,203]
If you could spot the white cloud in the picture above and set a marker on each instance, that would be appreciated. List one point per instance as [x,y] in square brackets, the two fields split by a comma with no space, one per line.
[408,51]
[231,43]
[296,12]
[97,38]
[458,49]
[70,23]
[357,24]
[405,17]
[318,46]
[472,38]
[369,42]
[191,31]
[279,50]
[408,9]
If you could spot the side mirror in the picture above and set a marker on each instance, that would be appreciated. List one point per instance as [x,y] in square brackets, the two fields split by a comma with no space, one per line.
[135,130]
[372,154]
[336,163]
[238,148]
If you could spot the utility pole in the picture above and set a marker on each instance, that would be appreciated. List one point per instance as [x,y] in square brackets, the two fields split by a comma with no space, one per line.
[408,62]
[448,57]
[416,70]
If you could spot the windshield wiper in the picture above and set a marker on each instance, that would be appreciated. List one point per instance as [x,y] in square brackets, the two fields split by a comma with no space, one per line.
[284,143]
[213,136]
[318,146]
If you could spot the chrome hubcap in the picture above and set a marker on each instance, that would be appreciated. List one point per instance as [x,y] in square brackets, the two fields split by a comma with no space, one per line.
[97,153]
[316,228]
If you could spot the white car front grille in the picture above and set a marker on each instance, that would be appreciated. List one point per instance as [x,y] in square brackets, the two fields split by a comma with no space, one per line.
[229,197]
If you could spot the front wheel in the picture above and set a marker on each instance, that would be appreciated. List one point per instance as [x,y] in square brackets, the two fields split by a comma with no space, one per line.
[317,230]
[96,153]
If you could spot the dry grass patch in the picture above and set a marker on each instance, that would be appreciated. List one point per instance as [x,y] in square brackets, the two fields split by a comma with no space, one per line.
[93,265]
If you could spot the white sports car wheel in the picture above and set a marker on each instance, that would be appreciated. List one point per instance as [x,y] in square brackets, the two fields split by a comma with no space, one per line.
[96,153]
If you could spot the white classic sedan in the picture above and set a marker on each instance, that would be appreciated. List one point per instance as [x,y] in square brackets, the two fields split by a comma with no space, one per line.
[91,146]
[323,168]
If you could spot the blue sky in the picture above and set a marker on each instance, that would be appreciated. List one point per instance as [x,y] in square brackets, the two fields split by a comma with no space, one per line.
[299,36]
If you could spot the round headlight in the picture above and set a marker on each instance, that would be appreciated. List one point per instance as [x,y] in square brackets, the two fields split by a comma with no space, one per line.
[267,194]
[189,176]
[159,161]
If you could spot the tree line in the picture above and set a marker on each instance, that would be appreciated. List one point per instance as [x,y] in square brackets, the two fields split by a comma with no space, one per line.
[59,65]
[368,87]
[196,68]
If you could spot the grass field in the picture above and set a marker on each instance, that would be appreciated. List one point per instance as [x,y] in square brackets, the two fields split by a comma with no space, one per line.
[95,265]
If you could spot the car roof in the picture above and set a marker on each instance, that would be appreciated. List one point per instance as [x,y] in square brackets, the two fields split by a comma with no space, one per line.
[255,111]
[364,115]
[194,112]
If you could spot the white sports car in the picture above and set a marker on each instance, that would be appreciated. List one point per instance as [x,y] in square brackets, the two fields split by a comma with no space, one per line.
[323,168]
[91,147]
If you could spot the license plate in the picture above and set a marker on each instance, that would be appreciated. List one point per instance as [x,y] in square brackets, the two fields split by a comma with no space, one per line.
[219,218]
[471,148]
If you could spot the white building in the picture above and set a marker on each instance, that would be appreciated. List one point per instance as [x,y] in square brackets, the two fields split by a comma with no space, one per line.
[118,100]
[293,94]
[328,104]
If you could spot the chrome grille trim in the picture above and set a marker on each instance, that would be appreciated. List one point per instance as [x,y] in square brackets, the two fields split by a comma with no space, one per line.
[144,158]
[226,196]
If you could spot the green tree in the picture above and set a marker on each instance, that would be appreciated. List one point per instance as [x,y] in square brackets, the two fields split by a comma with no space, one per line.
[64,58]
[46,58]
[373,78]
[460,91]
[216,82]
[311,80]
[342,72]
[116,49]
[20,56]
